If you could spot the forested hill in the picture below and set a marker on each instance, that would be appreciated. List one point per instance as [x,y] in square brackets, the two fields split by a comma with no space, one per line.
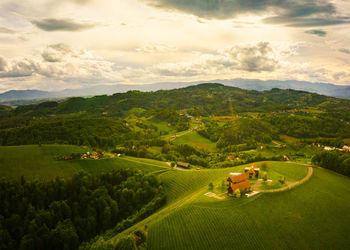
[206,99]
[101,120]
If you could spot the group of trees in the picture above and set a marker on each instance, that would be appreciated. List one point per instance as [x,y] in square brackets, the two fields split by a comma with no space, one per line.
[60,214]
[105,133]
[180,122]
[211,130]
[245,131]
[333,160]
[187,153]
[309,127]
[94,132]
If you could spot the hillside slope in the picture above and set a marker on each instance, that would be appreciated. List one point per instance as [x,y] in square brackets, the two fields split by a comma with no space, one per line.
[292,219]
[41,162]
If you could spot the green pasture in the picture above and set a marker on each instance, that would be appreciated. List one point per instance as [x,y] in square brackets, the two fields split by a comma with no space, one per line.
[195,139]
[42,162]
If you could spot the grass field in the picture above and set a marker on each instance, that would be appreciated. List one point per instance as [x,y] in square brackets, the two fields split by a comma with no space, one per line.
[195,139]
[290,139]
[311,216]
[41,162]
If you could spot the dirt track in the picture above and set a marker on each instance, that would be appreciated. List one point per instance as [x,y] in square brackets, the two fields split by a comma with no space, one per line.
[292,184]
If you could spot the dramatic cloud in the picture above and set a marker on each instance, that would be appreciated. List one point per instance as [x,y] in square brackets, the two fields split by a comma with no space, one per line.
[306,22]
[21,68]
[56,52]
[298,13]
[52,24]
[250,58]
[6,30]
[61,63]
[321,33]
[145,41]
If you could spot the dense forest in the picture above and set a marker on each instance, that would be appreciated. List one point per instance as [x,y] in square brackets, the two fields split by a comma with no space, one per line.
[61,214]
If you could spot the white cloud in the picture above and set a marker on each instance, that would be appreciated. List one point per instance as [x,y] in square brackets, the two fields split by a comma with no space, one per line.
[258,57]
[60,62]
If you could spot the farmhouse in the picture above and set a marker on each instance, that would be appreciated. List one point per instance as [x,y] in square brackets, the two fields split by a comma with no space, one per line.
[252,172]
[231,157]
[238,181]
[183,164]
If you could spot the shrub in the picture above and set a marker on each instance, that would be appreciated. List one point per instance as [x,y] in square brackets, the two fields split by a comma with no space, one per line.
[237,193]
[282,180]
[265,176]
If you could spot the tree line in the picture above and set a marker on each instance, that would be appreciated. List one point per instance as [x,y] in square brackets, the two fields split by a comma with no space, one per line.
[333,160]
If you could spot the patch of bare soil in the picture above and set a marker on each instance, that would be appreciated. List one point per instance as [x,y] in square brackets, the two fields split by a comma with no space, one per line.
[213,195]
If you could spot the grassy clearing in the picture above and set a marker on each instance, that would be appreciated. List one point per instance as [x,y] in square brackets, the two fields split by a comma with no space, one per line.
[195,139]
[347,140]
[163,126]
[290,139]
[41,162]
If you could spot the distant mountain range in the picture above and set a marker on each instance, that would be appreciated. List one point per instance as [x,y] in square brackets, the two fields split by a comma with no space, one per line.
[259,85]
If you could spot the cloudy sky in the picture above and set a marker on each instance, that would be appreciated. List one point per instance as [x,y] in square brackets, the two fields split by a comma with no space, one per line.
[53,45]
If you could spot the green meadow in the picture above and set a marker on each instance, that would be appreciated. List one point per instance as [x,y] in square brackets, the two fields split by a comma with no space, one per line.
[43,162]
[196,140]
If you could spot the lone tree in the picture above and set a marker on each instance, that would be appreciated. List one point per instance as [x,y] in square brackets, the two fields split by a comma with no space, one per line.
[211,186]
[223,185]
[265,176]
[264,166]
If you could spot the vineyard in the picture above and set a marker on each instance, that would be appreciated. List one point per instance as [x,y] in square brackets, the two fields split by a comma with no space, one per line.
[288,220]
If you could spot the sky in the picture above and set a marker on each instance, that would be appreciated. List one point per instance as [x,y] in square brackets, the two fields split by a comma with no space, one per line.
[55,45]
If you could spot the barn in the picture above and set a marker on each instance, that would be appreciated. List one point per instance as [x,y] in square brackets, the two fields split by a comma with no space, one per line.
[238,181]
[183,164]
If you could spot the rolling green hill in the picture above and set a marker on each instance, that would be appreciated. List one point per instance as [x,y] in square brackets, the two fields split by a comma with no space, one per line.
[311,216]
[33,161]
[292,219]
[288,220]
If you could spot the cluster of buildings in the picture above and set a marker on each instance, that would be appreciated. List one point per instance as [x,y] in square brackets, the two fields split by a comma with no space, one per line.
[92,155]
[241,180]
[343,149]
